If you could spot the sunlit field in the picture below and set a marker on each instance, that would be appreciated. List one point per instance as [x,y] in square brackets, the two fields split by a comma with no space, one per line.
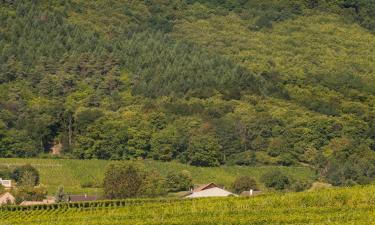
[334,206]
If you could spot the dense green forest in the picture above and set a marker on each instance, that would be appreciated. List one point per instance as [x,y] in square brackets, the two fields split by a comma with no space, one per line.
[204,82]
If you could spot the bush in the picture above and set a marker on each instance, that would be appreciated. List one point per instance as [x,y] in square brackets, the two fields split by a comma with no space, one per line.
[286,159]
[26,193]
[125,180]
[181,181]
[276,179]
[300,186]
[244,183]
[26,175]
[153,185]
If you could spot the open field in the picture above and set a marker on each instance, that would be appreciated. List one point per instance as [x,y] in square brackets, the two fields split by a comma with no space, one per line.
[73,173]
[333,206]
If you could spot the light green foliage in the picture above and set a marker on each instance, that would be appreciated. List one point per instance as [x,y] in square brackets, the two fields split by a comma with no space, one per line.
[244,183]
[123,181]
[130,180]
[179,181]
[26,175]
[28,193]
[333,206]
[203,150]
[276,179]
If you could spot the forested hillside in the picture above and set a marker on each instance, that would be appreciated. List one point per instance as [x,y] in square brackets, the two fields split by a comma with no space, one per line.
[204,82]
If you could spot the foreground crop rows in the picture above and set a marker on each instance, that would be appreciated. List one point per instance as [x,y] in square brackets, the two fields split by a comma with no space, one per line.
[338,206]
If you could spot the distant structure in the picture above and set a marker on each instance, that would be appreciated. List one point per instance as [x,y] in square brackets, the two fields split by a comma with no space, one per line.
[250,193]
[7,198]
[209,190]
[6,183]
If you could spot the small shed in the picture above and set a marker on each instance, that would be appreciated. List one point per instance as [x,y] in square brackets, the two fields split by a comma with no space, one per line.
[6,183]
[7,198]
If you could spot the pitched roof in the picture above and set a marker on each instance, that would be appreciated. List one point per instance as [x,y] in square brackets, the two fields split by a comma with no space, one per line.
[4,198]
[6,194]
[211,192]
[204,187]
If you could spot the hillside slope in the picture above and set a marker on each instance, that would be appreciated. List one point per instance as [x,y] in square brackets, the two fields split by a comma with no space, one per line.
[86,176]
[203,82]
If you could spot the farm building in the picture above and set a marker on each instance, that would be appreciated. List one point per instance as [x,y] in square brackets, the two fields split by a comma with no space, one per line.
[7,198]
[209,190]
[6,183]
[205,187]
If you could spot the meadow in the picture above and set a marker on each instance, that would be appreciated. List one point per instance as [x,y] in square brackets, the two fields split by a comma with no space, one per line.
[353,205]
[72,174]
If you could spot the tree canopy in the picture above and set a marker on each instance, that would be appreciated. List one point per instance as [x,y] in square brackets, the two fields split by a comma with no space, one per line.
[205,82]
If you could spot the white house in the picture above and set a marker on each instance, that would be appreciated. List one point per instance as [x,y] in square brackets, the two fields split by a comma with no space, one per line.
[209,190]
[7,198]
[6,183]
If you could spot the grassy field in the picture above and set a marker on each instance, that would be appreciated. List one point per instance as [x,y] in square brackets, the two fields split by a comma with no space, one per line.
[73,173]
[333,206]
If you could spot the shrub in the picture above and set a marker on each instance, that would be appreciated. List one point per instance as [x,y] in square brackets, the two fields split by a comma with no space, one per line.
[181,181]
[300,186]
[286,159]
[27,193]
[276,179]
[244,183]
[26,175]
[125,180]
[153,185]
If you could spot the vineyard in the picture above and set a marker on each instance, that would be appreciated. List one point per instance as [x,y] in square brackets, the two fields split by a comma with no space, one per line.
[334,206]
[72,174]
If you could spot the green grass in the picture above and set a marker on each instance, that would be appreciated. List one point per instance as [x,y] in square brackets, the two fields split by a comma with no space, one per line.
[72,173]
[333,206]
